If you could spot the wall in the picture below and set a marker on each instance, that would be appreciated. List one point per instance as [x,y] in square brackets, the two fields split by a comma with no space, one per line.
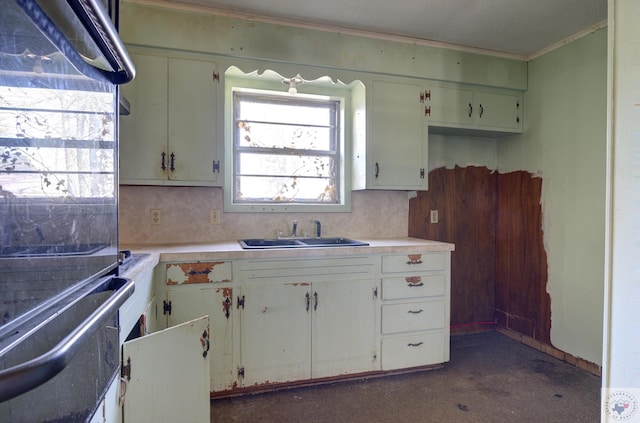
[228,37]
[564,142]
[185,217]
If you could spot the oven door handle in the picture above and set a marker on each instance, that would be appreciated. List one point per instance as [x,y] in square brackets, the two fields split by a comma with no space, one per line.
[97,24]
[23,377]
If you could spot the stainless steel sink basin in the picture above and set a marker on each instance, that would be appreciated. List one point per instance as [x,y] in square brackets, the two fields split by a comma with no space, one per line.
[332,242]
[262,243]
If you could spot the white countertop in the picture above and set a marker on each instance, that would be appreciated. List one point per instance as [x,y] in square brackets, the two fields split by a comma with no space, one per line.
[229,250]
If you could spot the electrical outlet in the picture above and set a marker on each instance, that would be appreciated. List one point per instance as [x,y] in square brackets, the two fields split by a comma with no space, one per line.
[214,217]
[434,216]
[154,216]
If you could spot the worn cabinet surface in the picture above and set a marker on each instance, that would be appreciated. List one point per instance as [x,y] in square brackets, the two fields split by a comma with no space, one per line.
[163,367]
[399,147]
[415,309]
[463,108]
[170,136]
[306,319]
[192,290]
[275,323]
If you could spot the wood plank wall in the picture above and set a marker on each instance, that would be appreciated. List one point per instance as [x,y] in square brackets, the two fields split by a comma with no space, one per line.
[499,268]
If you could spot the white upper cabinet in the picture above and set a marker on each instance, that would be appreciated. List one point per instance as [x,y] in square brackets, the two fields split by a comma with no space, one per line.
[170,136]
[396,157]
[463,108]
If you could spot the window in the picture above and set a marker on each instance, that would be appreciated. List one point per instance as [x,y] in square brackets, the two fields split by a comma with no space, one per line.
[290,150]
[286,149]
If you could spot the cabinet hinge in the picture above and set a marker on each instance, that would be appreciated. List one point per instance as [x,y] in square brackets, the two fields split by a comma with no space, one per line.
[166,307]
[422,173]
[427,111]
[125,370]
[216,76]
[216,166]
[425,95]
[240,302]
[241,372]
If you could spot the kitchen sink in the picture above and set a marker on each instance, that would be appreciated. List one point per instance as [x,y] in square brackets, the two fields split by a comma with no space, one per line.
[264,243]
[260,243]
[332,242]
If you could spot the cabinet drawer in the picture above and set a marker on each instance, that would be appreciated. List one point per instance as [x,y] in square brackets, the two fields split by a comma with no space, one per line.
[413,262]
[409,317]
[413,350]
[413,286]
[199,272]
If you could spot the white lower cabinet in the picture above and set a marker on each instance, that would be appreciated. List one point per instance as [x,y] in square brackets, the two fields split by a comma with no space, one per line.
[415,309]
[192,290]
[163,366]
[306,319]
[255,323]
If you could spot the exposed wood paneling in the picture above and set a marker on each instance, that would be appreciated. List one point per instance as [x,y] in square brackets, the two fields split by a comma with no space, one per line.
[465,199]
[499,268]
[522,301]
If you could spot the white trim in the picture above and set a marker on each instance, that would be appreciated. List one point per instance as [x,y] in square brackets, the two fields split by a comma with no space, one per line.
[569,39]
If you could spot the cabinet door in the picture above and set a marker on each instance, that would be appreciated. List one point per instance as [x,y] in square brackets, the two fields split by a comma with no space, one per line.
[275,333]
[169,375]
[343,328]
[498,110]
[449,106]
[189,302]
[399,134]
[143,133]
[192,121]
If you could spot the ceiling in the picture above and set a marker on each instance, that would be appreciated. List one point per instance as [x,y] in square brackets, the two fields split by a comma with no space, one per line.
[518,28]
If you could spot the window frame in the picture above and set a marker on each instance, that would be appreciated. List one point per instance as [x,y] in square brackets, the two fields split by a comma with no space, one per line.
[254,85]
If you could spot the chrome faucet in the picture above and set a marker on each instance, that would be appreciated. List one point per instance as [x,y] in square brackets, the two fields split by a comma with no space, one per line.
[318,228]
[295,229]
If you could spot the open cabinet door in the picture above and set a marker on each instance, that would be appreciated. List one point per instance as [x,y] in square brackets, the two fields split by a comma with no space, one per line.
[168,375]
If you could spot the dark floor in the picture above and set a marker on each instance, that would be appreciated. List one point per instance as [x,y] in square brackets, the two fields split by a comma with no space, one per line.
[490,378]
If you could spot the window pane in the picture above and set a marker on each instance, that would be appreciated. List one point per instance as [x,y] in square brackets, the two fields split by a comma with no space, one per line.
[285,149]
[272,135]
[284,165]
[267,109]
[285,189]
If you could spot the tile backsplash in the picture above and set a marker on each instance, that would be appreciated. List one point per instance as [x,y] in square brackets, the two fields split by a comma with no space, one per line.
[184,216]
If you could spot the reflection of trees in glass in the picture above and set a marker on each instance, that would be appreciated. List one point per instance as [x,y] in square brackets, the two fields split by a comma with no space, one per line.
[55,140]
[279,144]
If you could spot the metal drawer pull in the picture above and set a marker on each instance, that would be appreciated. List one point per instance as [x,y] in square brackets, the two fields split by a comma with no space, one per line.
[414,262]
[415,312]
[414,345]
[414,281]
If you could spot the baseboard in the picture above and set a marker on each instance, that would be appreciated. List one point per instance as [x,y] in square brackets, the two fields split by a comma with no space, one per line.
[552,351]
